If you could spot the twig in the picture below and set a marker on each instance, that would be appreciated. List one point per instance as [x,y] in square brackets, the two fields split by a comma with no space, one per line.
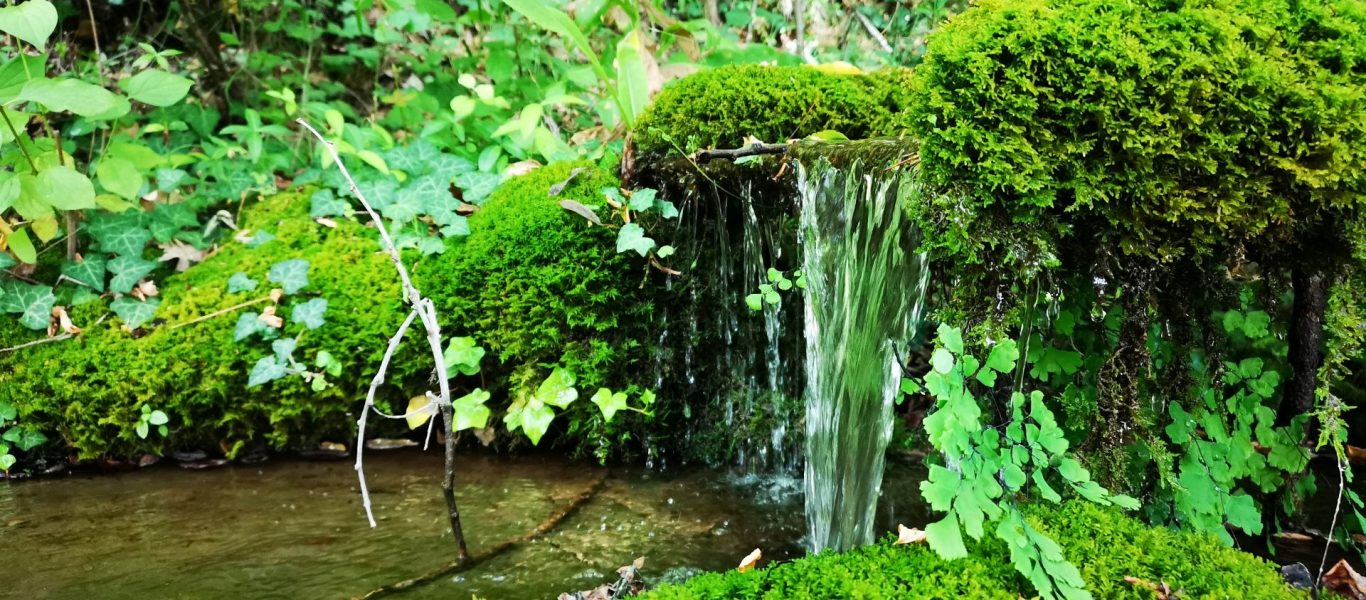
[877,35]
[57,338]
[1337,506]
[424,310]
[219,313]
[457,566]
[754,149]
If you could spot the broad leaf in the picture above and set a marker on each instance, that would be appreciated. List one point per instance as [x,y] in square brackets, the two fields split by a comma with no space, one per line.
[291,275]
[239,282]
[557,389]
[609,403]
[469,411]
[156,87]
[32,21]
[309,314]
[120,177]
[633,85]
[65,188]
[127,272]
[72,95]
[632,237]
[266,370]
[462,356]
[89,271]
[945,538]
[135,313]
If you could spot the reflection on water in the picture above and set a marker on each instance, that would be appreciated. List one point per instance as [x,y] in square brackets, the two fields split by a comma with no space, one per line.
[291,529]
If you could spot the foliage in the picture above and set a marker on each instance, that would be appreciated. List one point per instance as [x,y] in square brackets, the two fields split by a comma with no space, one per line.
[1046,118]
[777,282]
[1107,546]
[983,472]
[21,437]
[710,110]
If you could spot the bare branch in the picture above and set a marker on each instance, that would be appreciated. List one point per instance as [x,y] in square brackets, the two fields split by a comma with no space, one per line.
[754,149]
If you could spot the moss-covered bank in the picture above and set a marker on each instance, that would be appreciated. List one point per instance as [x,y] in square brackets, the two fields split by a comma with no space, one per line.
[1105,546]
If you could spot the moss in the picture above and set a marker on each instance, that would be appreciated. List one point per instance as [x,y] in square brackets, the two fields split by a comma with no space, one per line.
[90,389]
[542,287]
[719,108]
[1105,545]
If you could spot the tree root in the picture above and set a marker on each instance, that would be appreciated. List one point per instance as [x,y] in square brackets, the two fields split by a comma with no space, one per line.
[458,565]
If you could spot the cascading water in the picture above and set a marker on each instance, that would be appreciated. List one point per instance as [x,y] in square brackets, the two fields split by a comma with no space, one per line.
[865,288]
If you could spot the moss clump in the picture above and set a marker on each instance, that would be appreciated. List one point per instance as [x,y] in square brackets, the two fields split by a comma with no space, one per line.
[1105,545]
[90,389]
[719,107]
[542,287]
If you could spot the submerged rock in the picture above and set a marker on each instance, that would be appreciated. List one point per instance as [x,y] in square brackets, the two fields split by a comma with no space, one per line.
[389,443]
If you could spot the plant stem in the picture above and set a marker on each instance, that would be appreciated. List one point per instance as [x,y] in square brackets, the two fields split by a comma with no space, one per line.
[4,114]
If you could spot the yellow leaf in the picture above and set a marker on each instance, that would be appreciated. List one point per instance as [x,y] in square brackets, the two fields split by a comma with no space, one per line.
[420,408]
[839,68]
[750,560]
[908,535]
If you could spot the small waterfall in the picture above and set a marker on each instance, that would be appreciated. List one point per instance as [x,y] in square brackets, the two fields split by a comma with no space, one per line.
[865,288]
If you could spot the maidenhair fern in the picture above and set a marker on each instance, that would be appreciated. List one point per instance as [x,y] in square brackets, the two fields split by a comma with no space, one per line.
[984,472]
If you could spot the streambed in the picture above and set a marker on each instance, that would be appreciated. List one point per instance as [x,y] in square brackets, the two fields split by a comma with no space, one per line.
[295,529]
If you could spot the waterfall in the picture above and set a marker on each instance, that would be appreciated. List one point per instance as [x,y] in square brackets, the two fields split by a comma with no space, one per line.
[865,288]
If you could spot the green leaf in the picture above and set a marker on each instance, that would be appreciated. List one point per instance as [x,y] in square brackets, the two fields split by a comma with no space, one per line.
[33,303]
[665,251]
[134,312]
[266,370]
[128,271]
[632,237]
[123,234]
[156,87]
[13,76]
[557,389]
[291,275]
[532,417]
[951,338]
[309,314]
[32,21]
[7,461]
[609,403]
[642,199]
[65,188]
[239,282]
[88,271]
[24,438]
[284,349]
[633,85]
[470,412]
[158,418]
[755,301]
[8,412]
[1003,356]
[71,95]
[945,538]
[666,209]
[941,360]
[556,21]
[22,247]
[142,430]
[462,356]
[248,323]
[327,362]
[120,177]
[323,203]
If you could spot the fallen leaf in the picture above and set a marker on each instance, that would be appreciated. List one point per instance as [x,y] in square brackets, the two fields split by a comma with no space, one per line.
[485,435]
[184,254]
[326,222]
[1292,536]
[465,208]
[269,317]
[243,235]
[750,560]
[521,167]
[559,187]
[909,535]
[146,289]
[276,294]
[1345,581]
[581,210]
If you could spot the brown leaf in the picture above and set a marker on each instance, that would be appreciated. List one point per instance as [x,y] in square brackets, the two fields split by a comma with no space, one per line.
[581,210]
[485,435]
[146,289]
[276,294]
[521,167]
[326,222]
[750,560]
[1344,581]
[1161,591]
[559,187]
[269,317]
[909,535]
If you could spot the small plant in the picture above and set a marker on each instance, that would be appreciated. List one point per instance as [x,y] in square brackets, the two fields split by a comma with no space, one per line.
[21,437]
[152,418]
[768,292]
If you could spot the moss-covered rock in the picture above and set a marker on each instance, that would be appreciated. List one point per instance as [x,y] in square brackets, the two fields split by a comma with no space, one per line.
[718,108]
[542,287]
[90,389]
[1105,545]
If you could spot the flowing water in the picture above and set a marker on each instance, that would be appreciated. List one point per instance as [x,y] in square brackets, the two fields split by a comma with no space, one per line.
[865,288]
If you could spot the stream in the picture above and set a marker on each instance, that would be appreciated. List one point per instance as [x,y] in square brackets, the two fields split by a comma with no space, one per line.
[295,529]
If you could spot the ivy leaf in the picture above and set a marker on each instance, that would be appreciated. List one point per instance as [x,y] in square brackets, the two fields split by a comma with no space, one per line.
[557,389]
[266,370]
[609,403]
[462,356]
[533,417]
[327,362]
[156,87]
[36,302]
[632,237]
[128,270]
[476,186]
[469,410]
[309,314]
[247,324]
[134,312]
[642,199]
[666,209]
[239,282]
[24,438]
[122,234]
[291,275]
[88,271]
[323,203]
[284,349]
[945,538]
[1003,356]
[755,301]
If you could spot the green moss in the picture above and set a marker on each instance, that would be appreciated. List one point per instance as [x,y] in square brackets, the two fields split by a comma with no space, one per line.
[90,389]
[1105,545]
[719,107]
[542,287]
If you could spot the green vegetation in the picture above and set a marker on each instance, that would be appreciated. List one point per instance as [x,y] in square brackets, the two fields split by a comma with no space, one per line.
[720,108]
[1106,546]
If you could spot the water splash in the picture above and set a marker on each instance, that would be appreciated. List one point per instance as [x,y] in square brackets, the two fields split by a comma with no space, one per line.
[865,291]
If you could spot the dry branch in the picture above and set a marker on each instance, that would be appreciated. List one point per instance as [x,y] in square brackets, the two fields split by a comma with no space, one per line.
[754,149]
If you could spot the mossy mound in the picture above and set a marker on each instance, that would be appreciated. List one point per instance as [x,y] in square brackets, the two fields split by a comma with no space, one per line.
[542,287]
[1105,545]
[90,389]
[719,107]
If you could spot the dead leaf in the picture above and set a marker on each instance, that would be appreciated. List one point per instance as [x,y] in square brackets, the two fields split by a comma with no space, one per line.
[61,322]
[1345,581]
[521,167]
[581,210]
[184,254]
[276,294]
[1356,455]
[146,289]
[465,208]
[584,136]
[1292,536]
[269,317]
[750,560]
[1161,591]
[243,235]
[485,435]
[559,187]
[326,222]
[909,535]
[420,408]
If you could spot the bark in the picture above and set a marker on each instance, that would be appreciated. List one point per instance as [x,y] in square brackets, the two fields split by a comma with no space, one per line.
[1311,285]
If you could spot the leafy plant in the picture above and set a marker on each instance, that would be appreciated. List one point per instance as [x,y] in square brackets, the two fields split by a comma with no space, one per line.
[777,282]
[21,437]
[152,418]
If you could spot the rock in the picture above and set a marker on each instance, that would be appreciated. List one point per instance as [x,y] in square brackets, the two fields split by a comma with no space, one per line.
[201,465]
[148,460]
[55,469]
[192,456]
[388,444]
[1297,575]
[255,457]
[326,451]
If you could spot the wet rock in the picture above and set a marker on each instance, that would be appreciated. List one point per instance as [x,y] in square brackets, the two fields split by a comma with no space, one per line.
[326,451]
[255,457]
[148,460]
[193,456]
[201,465]
[56,469]
[114,464]
[1297,575]
[389,443]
